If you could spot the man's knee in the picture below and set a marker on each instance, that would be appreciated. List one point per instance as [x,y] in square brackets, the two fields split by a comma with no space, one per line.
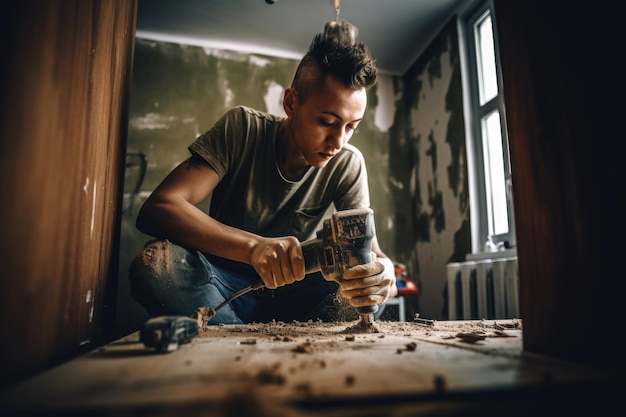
[167,278]
[154,260]
[150,273]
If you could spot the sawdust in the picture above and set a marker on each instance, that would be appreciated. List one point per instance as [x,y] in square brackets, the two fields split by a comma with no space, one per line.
[312,338]
[303,350]
[344,311]
[311,331]
[156,255]
[362,327]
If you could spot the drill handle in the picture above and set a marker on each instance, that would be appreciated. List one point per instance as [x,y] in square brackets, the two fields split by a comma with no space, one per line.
[311,251]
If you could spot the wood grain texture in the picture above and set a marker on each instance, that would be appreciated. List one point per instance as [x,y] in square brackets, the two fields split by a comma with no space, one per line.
[310,366]
[561,208]
[64,125]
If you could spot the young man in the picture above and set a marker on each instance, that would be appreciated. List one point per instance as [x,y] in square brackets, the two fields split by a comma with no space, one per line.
[272,182]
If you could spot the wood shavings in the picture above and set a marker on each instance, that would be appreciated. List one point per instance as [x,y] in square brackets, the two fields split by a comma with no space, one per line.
[514,324]
[409,347]
[470,337]
[500,333]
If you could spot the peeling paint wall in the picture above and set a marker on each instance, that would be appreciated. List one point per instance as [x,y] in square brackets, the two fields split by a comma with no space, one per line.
[179,91]
[430,174]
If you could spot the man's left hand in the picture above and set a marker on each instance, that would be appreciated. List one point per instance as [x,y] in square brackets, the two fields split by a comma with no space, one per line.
[369,284]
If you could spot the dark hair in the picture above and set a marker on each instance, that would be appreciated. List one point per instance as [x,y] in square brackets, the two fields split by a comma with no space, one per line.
[348,61]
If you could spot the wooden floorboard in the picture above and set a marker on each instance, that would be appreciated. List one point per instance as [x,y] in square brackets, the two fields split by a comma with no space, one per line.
[308,369]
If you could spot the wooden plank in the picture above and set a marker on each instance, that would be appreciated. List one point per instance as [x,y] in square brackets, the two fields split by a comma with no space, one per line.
[286,363]
[563,151]
[65,84]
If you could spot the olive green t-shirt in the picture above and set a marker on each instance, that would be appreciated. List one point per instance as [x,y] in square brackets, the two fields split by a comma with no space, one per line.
[252,193]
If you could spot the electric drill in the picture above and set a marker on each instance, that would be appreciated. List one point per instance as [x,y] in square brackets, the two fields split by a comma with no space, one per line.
[344,241]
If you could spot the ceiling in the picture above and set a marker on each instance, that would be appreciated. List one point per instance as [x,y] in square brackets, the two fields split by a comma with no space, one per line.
[396,31]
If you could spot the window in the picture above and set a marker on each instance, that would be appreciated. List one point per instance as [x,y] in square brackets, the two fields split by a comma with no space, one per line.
[489,169]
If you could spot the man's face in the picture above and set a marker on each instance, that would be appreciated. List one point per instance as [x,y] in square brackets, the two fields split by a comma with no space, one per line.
[326,120]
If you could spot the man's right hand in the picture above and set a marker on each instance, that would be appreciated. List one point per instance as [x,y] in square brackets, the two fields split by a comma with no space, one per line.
[279,261]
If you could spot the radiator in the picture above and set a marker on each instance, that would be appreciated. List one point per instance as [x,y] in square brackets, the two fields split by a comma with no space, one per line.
[483,289]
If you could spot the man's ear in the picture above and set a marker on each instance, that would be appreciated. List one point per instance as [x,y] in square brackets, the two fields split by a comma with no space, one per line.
[290,101]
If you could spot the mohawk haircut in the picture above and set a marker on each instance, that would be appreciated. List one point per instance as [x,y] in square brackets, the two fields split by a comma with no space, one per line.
[348,61]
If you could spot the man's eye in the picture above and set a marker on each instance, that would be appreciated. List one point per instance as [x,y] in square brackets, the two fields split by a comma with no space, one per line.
[326,123]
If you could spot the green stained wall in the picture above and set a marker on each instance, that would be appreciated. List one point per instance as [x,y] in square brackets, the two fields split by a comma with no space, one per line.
[430,170]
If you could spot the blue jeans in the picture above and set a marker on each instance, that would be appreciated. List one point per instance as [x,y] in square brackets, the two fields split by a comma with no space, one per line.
[168,279]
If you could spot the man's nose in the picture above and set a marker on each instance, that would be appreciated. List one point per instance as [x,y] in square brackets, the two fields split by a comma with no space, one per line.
[337,138]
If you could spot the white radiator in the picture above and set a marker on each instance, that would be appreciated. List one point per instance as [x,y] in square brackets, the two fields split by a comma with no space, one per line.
[483,289]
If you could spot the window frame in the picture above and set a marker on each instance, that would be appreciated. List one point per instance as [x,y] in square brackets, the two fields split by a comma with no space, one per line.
[474,113]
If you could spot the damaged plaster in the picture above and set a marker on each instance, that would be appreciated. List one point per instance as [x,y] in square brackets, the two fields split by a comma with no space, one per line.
[437,180]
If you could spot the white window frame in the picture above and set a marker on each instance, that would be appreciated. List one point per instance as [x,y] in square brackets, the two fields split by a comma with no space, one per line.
[474,113]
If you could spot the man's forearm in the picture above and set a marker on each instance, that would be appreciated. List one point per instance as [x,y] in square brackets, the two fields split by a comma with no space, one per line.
[187,225]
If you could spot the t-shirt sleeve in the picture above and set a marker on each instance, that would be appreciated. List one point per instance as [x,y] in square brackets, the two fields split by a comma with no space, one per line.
[219,146]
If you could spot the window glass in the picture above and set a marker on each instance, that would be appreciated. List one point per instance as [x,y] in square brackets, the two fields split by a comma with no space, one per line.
[495,177]
[486,59]
[489,170]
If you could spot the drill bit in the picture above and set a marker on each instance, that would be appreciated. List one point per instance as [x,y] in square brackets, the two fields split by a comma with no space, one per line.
[367,318]
[367,314]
